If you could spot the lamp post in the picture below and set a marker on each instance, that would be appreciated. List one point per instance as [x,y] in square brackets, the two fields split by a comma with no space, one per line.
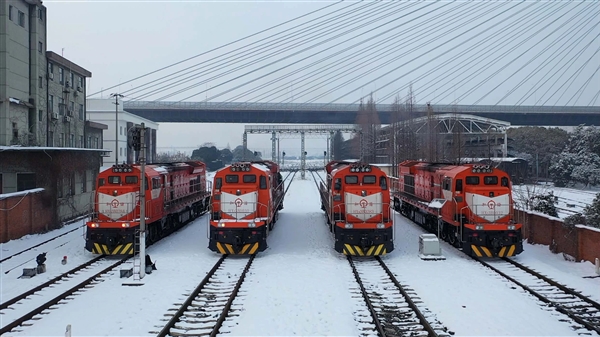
[116,103]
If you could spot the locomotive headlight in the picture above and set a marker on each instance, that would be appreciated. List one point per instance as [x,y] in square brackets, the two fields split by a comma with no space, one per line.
[221,224]
[95,225]
[125,225]
[348,225]
[511,227]
[380,225]
[251,224]
[479,227]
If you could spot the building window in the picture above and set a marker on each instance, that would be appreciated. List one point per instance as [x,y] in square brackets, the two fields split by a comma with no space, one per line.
[25,181]
[40,14]
[89,143]
[40,46]
[59,188]
[72,80]
[40,115]
[50,103]
[80,82]
[61,75]
[96,143]
[71,140]
[120,151]
[61,106]
[81,141]
[40,82]
[83,181]
[50,68]
[61,140]
[71,108]
[81,111]
[15,131]
[121,130]
[50,138]
[21,19]
[10,18]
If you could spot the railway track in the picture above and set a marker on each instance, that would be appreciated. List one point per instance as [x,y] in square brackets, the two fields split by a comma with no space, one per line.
[392,308]
[584,312]
[207,307]
[17,311]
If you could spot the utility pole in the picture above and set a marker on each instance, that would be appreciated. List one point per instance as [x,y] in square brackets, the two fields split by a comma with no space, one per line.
[142,201]
[116,103]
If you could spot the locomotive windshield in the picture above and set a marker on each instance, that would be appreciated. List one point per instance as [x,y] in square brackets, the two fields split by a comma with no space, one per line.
[231,179]
[351,180]
[369,180]
[472,180]
[249,178]
[490,180]
[114,179]
[131,180]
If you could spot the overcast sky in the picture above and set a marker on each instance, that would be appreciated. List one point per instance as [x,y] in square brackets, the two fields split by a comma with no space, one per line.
[121,40]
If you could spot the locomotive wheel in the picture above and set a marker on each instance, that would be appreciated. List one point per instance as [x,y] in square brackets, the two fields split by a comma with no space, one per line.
[452,236]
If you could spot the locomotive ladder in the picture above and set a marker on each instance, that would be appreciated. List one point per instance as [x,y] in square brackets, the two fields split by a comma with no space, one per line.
[137,263]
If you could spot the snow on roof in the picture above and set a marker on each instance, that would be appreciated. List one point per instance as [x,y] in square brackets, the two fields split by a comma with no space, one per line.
[160,169]
[46,148]
[20,193]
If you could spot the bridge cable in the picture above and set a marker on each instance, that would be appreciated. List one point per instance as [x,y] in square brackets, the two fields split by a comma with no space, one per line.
[220,47]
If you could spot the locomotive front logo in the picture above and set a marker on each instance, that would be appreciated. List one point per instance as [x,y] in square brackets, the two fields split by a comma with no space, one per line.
[488,208]
[491,204]
[363,208]
[239,206]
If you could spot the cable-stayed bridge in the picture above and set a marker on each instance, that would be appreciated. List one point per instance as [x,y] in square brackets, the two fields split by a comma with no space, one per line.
[315,113]
[528,63]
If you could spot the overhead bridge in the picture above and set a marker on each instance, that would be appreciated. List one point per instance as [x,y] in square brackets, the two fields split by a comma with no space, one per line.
[339,113]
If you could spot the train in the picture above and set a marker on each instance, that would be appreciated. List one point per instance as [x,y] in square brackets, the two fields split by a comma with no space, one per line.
[470,206]
[356,200]
[246,199]
[175,194]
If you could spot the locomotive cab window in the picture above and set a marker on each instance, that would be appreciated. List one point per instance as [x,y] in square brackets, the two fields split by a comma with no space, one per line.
[504,181]
[383,183]
[446,183]
[231,179]
[351,180]
[114,179]
[249,178]
[338,184]
[218,183]
[131,180]
[472,180]
[490,180]
[101,182]
[263,183]
[459,185]
[369,180]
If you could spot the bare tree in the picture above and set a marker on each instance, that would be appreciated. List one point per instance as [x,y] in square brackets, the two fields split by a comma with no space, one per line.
[369,122]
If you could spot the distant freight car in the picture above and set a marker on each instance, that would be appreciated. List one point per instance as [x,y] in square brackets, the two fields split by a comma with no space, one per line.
[471,205]
[175,194]
[356,200]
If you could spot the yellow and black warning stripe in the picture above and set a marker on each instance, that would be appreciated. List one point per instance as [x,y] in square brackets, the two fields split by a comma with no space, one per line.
[225,248]
[371,251]
[126,249]
[481,251]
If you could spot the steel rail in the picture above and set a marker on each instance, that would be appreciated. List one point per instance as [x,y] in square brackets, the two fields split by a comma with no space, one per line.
[19,321]
[544,299]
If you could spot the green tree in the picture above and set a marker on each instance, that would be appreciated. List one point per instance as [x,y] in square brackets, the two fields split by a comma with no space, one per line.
[537,145]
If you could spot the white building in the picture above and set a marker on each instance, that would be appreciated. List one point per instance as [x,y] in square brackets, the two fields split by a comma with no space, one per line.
[103,111]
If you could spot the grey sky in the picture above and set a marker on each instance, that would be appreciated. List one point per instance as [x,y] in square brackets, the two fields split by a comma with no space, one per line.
[118,41]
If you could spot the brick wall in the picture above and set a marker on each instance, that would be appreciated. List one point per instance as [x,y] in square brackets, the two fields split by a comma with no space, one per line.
[580,242]
[24,214]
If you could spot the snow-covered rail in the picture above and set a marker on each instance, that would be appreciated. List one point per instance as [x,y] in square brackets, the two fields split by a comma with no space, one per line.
[23,308]
[584,312]
[392,309]
[207,307]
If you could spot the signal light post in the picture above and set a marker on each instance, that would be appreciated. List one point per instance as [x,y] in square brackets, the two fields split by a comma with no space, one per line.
[139,144]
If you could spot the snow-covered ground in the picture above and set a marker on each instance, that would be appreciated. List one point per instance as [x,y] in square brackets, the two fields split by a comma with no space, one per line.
[299,286]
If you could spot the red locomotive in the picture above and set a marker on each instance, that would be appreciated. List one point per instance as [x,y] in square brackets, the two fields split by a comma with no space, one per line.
[247,197]
[175,193]
[357,202]
[470,205]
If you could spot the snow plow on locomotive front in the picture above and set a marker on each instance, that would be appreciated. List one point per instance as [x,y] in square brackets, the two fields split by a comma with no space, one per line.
[356,200]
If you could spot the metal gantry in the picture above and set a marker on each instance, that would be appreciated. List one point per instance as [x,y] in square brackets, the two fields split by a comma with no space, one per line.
[276,130]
